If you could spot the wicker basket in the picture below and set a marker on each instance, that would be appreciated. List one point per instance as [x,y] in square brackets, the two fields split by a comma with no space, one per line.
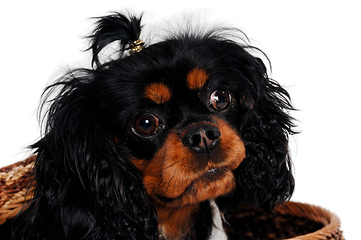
[14,181]
[289,221]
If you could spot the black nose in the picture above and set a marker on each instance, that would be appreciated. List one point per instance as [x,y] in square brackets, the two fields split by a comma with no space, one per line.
[202,138]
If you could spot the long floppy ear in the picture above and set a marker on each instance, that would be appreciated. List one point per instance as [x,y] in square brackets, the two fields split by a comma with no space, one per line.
[264,178]
[85,187]
[115,27]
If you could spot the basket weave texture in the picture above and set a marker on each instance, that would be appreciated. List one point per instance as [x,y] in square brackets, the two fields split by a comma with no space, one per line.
[293,221]
[14,191]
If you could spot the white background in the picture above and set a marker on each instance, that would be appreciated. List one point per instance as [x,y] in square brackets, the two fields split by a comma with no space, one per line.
[314,47]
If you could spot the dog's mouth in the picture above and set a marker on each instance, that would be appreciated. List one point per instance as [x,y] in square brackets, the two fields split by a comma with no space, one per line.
[211,184]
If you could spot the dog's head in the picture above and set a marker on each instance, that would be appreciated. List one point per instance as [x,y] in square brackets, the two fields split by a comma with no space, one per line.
[188,119]
[188,131]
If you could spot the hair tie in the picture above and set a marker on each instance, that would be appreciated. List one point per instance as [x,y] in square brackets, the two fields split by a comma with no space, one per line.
[136,46]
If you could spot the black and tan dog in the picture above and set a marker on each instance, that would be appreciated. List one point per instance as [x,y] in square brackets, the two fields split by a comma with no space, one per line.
[152,144]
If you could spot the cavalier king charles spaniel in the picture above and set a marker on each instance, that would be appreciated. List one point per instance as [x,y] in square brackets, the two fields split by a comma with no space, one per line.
[160,142]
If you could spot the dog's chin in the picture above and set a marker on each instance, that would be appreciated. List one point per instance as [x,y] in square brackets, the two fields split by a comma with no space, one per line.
[213,183]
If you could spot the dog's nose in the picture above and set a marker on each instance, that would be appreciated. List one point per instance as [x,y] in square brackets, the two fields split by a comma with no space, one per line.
[202,138]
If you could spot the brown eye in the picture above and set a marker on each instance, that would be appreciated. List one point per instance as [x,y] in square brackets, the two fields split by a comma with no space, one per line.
[220,100]
[147,124]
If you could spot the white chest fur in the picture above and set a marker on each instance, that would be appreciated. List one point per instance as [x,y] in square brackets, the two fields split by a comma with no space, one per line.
[217,231]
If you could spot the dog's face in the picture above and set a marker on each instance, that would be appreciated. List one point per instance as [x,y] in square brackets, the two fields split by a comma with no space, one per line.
[181,110]
[189,142]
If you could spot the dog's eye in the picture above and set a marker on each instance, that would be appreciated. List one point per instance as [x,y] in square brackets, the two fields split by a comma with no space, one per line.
[220,100]
[146,125]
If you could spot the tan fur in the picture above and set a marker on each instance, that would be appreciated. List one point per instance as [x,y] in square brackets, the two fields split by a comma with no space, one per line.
[174,222]
[196,79]
[158,93]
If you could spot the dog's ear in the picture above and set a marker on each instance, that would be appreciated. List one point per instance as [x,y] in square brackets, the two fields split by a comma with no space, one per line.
[264,178]
[115,27]
[85,187]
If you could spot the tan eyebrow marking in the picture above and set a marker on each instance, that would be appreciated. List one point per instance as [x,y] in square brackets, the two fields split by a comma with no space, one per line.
[196,78]
[158,93]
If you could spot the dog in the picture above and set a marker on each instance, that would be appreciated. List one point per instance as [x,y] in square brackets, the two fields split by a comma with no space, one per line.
[159,141]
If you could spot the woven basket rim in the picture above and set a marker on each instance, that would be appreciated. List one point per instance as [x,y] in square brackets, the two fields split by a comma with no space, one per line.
[331,221]
[14,192]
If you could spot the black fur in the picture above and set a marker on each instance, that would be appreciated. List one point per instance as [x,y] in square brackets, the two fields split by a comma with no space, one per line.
[86,185]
